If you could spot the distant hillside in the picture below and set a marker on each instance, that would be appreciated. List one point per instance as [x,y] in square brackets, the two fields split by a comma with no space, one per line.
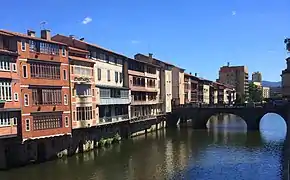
[271,84]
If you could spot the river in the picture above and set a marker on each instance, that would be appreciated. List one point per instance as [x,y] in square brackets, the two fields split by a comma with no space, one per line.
[225,151]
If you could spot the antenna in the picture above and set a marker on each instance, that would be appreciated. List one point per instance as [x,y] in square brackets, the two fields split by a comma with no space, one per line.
[42,25]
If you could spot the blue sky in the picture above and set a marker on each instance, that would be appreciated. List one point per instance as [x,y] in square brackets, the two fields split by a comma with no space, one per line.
[199,35]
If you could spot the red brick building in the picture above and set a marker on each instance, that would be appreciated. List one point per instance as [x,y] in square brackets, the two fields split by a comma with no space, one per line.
[44,95]
[10,112]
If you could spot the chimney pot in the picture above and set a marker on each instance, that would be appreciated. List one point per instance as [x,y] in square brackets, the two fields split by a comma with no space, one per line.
[190,73]
[82,39]
[228,64]
[195,74]
[150,55]
[31,33]
[45,34]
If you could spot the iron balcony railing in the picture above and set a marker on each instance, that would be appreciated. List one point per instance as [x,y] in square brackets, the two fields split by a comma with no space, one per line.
[114,118]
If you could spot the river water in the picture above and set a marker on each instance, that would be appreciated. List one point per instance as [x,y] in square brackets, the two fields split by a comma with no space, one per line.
[225,151]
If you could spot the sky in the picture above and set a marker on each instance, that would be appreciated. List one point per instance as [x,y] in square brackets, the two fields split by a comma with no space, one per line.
[198,35]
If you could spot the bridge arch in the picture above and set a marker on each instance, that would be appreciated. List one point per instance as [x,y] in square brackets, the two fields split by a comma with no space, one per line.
[227,119]
[273,126]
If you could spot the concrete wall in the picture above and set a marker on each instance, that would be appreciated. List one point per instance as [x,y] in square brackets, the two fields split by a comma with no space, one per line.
[14,153]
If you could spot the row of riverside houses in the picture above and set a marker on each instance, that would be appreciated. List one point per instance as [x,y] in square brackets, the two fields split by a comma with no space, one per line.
[51,86]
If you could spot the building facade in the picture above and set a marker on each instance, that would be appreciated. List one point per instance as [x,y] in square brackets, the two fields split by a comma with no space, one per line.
[165,76]
[44,86]
[286,72]
[237,77]
[144,83]
[84,94]
[266,92]
[10,112]
[257,77]
[177,86]
[110,78]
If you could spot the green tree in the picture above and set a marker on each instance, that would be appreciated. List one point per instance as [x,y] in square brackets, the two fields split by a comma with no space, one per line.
[255,93]
[239,99]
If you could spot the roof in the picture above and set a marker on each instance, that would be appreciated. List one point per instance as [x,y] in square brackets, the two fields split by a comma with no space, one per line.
[143,62]
[80,59]
[139,54]
[90,44]
[28,37]
[109,87]
[77,49]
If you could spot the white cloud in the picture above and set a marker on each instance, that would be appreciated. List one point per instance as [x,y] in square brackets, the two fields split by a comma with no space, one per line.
[234,13]
[87,20]
[135,42]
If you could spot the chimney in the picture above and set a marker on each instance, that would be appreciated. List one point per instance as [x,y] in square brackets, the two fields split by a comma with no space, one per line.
[150,55]
[228,64]
[82,39]
[31,33]
[190,73]
[45,34]
[195,74]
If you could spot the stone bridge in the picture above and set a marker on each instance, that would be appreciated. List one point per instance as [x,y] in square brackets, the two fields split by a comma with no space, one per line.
[251,115]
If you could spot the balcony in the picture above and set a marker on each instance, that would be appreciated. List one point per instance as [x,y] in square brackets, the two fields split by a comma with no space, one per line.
[143,89]
[112,119]
[82,79]
[143,102]
[111,101]
[82,99]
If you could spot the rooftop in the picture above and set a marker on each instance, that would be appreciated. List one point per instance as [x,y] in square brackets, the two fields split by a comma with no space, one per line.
[6,32]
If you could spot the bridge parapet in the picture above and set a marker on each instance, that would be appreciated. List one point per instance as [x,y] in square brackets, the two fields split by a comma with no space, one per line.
[251,115]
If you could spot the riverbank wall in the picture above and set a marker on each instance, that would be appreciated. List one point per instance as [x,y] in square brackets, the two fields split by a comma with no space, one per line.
[15,153]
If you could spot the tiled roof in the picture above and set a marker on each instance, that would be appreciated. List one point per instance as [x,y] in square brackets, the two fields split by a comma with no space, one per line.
[80,59]
[77,49]
[29,37]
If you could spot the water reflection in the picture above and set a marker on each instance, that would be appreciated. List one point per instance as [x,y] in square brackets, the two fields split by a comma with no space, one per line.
[224,151]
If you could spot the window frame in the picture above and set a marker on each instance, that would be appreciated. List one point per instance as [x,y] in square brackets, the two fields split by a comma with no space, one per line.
[16,95]
[63,51]
[108,75]
[66,121]
[27,122]
[14,67]
[26,104]
[24,71]
[64,74]
[23,46]
[65,99]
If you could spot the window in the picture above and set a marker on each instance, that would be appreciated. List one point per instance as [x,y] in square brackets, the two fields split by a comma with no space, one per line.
[65,100]
[16,97]
[24,71]
[27,124]
[105,93]
[26,100]
[116,77]
[83,89]
[5,90]
[111,59]
[5,119]
[63,51]
[48,48]
[47,121]
[93,92]
[119,61]
[108,75]
[23,47]
[15,121]
[121,77]
[84,113]
[14,67]
[84,71]
[46,96]
[45,70]
[66,122]
[99,74]
[64,74]
[32,46]
[5,62]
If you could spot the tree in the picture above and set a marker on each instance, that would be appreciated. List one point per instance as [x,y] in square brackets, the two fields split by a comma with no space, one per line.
[255,93]
[239,99]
